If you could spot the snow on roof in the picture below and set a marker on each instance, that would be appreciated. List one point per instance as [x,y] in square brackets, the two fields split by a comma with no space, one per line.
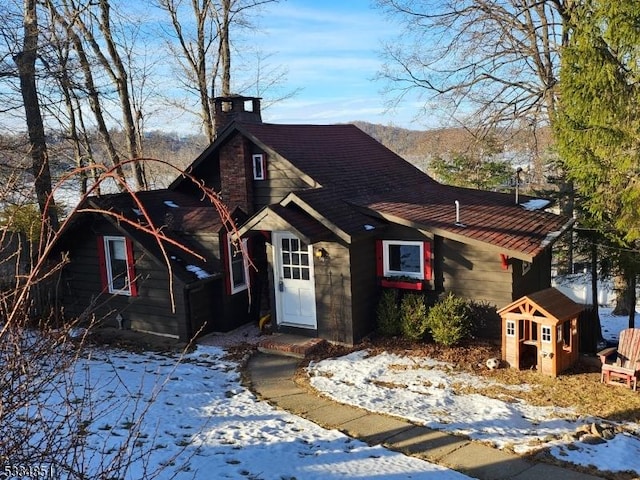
[171,204]
[199,272]
[535,204]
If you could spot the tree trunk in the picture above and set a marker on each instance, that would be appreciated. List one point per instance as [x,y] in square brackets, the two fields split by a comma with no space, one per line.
[120,77]
[621,289]
[26,63]
[93,96]
[225,50]
[594,276]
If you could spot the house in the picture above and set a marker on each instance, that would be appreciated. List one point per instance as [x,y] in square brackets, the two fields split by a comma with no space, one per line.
[325,217]
[333,216]
[174,283]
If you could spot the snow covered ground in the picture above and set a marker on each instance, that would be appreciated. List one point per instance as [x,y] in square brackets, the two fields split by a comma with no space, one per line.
[421,390]
[200,422]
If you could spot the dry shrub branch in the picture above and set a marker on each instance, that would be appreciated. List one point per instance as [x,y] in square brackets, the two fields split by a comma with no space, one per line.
[49,401]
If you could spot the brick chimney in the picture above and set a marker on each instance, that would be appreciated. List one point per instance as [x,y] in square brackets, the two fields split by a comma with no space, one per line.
[236,173]
[236,169]
[235,107]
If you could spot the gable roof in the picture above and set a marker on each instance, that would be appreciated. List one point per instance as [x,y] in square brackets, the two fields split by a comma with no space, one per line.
[551,303]
[337,156]
[352,176]
[177,215]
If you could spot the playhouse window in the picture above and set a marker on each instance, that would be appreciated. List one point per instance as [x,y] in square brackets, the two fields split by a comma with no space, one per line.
[546,334]
[403,258]
[238,268]
[118,259]
[511,328]
[259,172]
[566,336]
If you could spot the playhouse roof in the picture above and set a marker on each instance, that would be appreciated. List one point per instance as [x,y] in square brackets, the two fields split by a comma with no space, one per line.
[549,304]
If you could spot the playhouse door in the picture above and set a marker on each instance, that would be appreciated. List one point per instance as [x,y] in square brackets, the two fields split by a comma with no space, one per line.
[294,282]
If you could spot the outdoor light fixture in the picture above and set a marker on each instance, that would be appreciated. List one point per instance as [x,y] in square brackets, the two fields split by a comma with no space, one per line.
[322,254]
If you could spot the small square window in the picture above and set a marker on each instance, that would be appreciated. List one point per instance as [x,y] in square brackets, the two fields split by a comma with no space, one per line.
[259,172]
[546,334]
[511,328]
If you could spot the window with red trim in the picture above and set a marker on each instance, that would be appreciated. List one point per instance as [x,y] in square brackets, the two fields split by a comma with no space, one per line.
[238,266]
[117,265]
[403,258]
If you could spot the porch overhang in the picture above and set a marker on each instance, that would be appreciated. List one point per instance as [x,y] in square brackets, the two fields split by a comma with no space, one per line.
[274,218]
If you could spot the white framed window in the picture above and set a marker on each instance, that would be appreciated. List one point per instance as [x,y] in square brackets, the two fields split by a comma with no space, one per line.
[259,171]
[117,259]
[526,266]
[238,266]
[511,328]
[403,258]
[546,334]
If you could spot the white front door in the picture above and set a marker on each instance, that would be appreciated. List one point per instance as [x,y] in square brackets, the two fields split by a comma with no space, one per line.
[293,281]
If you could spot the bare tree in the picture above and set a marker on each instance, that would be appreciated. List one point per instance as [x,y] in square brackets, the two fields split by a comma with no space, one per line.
[87,90]
[204,52]
[498,59]
[488,63]
[91,28]
[48,406]
[26,63]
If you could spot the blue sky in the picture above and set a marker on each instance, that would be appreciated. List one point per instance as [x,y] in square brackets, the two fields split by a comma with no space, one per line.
[331,49]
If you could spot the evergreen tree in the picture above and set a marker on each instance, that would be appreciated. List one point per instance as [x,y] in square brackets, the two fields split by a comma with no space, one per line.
[598,126]
[466,171]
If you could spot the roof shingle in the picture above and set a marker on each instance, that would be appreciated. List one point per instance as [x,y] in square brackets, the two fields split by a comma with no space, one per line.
[356,170]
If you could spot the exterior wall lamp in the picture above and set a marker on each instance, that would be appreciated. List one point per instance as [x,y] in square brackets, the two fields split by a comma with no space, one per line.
[322,254]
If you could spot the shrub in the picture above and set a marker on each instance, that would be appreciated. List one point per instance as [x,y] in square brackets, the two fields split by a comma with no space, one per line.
[388,314]
[484,319]
[449,320]
[413,316]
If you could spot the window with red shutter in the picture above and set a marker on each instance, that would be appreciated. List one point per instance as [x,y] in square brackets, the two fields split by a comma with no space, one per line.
[404,258]
[428,266]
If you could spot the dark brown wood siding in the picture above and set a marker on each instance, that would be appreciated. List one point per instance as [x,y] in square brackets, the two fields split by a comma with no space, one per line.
[333,293]
[477,273]
[150,311]
[203,304]
[281,180]
[470,271]
[364,287]
[536,278]
[208,172]
[233,309]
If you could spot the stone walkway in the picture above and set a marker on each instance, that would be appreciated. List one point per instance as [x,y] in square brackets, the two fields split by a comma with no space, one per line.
[271,378]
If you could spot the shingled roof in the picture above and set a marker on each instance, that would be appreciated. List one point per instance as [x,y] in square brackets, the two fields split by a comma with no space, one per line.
[338,156]
[355,170]
[353,177]
[175,214]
